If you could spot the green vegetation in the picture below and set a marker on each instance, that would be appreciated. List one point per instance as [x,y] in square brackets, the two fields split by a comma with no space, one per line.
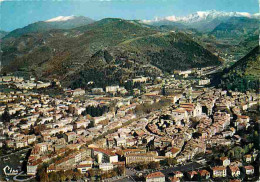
[244,74]
[95,111]
[109,51]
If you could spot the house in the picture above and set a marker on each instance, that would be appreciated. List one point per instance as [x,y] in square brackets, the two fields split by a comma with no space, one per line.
[139,157]
[173,152]
[204,82]
[105,155]
[219,172]
[78,92]
[224,161]
[32,167]
[249,170]
[179,114]
[248,158]
[178,174]
[191,174]
[204,174]
[112,88]
[234,171]
[106,166]
[97,90]
[83,168]
[120,142]
[70,136]
[155,177]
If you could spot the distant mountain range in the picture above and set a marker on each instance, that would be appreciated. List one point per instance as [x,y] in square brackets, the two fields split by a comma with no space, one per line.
[77,50]
[204,21]
[107,51]
[60,22]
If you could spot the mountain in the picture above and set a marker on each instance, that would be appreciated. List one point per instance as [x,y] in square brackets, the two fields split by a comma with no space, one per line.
[3,33]
[237,26]
[244,74]
[108,51]
[60,22]
[204,21]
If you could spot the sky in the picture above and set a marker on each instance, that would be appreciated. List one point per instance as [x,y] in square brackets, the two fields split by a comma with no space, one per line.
[19,13]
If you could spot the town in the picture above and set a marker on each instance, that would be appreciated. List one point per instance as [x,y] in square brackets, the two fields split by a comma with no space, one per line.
[169,128]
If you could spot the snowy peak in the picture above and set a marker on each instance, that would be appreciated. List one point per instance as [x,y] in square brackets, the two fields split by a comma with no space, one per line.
[203,16]
[61,18]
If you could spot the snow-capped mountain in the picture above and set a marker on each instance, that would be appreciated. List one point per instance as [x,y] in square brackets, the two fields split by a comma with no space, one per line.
[61,18]
[60,22]
[204,16]
[201,20]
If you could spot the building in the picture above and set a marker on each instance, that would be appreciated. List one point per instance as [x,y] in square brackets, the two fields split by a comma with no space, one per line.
[120,142]
[234,171]
[155,177]
[219,172]
[70,136]
[112,89]
[97,91]
[83,168]
[204,82]
[140,158]
[248,158]
[224,161]
[191,174]
[105,156]
[106,166]
[173,152]
[249,170]
[178,174]
[204,174]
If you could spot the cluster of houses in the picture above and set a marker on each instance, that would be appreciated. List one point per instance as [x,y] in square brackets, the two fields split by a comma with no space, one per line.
[194,121]
[21,83]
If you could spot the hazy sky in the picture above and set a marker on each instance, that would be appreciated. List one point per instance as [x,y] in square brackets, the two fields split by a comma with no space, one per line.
[19,13]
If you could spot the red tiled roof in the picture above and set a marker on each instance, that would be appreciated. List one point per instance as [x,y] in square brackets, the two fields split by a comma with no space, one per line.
[218,168]
[155,175]
[249,167]
[192,173]
[175,150]
[223,158]
[203,172]
[108,152]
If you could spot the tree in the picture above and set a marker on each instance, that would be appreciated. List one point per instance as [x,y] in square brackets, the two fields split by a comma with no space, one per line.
[121,170]
[53,176]
[62,175]
[69,174]
[77,175]
[41,173]
[6,115]
[142,166]
[91,173]
[154,165]
[171,161]
[163,90]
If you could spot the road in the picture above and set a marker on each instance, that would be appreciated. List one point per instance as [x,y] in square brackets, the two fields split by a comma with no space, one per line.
[7,155]
[167,172]
[185,168]
[22,180]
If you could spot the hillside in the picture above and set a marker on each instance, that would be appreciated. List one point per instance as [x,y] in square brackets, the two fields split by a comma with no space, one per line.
[107,51]
[245,73]
[43,26]
[3,33]
[236,27]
